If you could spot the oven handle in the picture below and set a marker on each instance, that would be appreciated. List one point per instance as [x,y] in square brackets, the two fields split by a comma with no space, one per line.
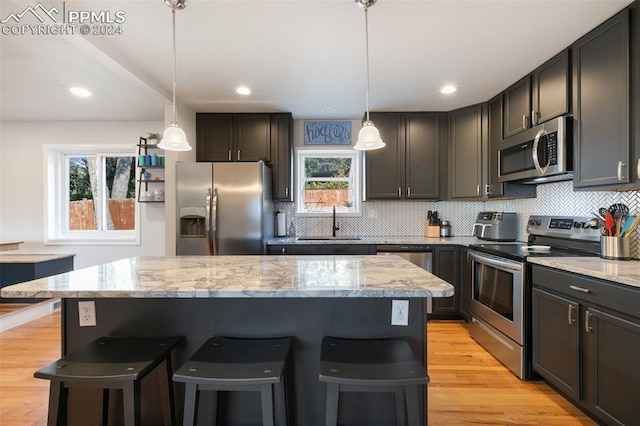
[490,261]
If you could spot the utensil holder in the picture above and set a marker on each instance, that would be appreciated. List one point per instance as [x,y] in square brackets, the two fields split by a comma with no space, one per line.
[614,248]
[431,231]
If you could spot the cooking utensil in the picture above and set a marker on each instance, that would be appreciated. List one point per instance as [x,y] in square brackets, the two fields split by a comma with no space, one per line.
[603,211]
[618,222]
[632,227]
[609,224]
[619,209]
[598,215]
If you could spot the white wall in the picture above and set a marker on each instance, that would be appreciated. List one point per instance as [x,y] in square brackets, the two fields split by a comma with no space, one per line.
[22,186]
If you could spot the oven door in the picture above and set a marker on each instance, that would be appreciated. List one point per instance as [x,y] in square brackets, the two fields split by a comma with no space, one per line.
[497,295]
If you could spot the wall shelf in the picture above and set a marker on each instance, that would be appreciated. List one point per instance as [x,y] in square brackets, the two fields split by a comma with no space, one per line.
[145,163]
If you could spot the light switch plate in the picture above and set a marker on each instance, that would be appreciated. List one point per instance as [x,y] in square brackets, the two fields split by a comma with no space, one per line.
[400,312]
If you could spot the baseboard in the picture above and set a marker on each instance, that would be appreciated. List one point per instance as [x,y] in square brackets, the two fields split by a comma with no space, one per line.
[29,313]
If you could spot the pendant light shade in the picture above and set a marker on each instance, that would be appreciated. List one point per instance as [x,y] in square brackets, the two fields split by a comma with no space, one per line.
[368,137]
[174,138]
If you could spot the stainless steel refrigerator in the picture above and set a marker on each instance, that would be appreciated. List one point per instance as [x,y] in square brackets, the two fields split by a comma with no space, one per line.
[223,208]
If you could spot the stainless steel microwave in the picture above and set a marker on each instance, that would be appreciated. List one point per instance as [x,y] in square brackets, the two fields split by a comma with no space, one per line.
[543,153]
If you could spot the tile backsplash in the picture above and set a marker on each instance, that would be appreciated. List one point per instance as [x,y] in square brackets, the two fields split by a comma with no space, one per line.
[406,218]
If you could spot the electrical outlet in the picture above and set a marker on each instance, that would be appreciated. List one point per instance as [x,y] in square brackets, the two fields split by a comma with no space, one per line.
[87,313]
[399,312]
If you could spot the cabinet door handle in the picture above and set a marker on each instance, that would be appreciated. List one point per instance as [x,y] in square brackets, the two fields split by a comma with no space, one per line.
[587,317]
[408,192]
[229,155]
[286,192]
[524,121]
[284,250]
[621,164]
[580,289]
[238,155]
[638,170]
[534,117]
[478,189]
[570,319]
[399,192]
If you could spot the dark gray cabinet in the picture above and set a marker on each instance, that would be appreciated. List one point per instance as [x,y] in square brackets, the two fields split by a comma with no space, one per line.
[446,265]
[517,107]
[466,147]
[465,285]
[325,249]
[538,97]
[586,342]
[601,105]
[282,156]
[493,188]
[249,137]
[550,89]
[408,167]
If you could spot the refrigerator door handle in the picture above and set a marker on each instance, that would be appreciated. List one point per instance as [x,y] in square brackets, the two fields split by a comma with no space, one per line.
[207,221]
[214,221]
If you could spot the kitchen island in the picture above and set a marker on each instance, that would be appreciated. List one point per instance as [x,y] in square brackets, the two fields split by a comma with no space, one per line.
[306,297]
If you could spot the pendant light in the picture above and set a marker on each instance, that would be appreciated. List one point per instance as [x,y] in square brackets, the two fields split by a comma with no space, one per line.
[369,136]
[174,138]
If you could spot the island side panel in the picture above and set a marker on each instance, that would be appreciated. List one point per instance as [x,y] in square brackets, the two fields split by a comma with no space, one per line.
[305,319]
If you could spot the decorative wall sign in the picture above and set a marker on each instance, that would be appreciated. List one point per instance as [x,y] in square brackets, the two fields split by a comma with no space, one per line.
[327,133]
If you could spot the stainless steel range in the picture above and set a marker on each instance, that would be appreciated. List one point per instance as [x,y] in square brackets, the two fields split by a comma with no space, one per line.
[501,287]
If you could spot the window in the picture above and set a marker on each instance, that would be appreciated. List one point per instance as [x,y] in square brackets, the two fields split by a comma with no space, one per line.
[327,178]
[91,195]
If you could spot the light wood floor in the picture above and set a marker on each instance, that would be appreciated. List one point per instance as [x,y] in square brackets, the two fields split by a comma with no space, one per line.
[468,386]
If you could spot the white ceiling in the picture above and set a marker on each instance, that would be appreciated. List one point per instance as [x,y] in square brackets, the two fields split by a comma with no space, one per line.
[297,55]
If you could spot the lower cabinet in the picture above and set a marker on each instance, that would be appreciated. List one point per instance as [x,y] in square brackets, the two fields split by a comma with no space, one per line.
[446,265]
[586,342]
[465,285]
[321,249]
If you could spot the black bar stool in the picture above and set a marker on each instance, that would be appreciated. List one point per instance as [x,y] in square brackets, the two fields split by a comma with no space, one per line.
[111,363]
[372,365]
[234,364]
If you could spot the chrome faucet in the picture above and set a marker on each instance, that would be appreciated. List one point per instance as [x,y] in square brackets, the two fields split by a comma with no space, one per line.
[335,226]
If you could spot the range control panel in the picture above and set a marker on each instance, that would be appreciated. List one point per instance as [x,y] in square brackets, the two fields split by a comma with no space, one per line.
[570,227]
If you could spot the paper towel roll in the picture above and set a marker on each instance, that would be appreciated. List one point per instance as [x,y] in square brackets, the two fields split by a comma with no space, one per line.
[281,228]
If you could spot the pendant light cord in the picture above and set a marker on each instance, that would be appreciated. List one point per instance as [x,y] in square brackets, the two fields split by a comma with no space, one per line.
[366,36]
[175,110]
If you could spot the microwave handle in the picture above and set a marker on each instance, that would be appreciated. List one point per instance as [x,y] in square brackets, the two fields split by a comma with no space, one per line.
[534,154]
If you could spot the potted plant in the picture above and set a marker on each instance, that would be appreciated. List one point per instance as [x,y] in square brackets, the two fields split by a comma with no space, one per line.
[153,138]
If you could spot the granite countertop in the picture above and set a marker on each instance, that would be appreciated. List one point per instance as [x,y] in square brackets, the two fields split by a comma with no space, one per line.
[241,276]
[462,241]
[31,258]
[619,271]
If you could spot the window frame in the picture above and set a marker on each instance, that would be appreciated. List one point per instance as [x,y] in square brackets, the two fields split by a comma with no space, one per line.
[356,176]
[56,199]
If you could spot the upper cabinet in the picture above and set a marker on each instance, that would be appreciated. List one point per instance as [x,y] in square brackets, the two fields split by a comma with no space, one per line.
[408,167]
[466,146]
[249,137]
[601,98]
[538,97]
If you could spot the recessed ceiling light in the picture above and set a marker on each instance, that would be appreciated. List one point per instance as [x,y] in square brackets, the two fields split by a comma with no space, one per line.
[79,91]
[329,110]
[446,90]
[243,90]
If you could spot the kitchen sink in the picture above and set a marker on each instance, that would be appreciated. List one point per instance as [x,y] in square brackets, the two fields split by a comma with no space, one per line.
[327,238]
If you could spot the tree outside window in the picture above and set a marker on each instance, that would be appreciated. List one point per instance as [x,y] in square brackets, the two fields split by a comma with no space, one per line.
[91,195]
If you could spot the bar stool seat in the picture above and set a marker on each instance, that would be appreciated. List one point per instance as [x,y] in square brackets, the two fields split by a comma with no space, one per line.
[372,365]
[234,364]
[111,363]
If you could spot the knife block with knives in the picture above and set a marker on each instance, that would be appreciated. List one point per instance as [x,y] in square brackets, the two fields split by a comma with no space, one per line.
[432,225]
